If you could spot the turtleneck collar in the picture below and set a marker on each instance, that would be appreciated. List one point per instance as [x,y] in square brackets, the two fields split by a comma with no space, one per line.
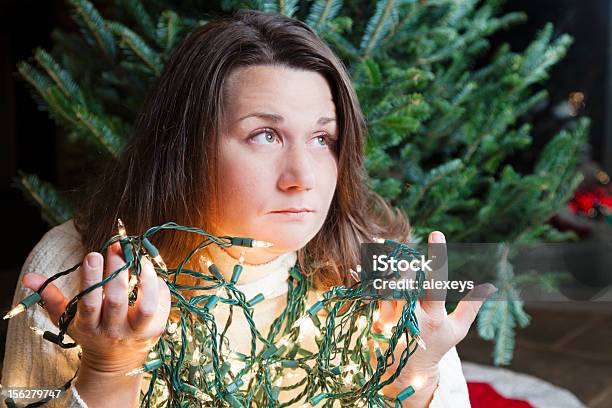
[269,278]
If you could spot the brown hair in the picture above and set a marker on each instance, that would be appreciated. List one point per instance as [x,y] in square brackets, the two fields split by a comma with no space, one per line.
[167,172]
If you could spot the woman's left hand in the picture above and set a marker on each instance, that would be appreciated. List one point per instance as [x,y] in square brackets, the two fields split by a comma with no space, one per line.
[439,331]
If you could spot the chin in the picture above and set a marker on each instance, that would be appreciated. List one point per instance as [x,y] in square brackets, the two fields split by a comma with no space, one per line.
[288,239]
[286,245]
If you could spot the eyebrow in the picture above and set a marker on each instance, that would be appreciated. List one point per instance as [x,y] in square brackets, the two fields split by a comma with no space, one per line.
[279,119]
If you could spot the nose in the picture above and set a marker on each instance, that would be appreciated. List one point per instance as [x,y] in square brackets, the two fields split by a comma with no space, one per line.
[297,169]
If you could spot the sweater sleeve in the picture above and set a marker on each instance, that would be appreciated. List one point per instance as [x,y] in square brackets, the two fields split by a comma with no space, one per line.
[452,388]
[30,361]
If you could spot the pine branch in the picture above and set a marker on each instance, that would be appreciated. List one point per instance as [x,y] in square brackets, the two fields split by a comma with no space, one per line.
[36,79]
[99,130]
[418,191]
[341,45]
[54,208]
[140,16]
[168,25]
[59,76]
[488,317]
[385,16]
[322,12]
[287,7]
[93,26]
[130,41]
[504,336]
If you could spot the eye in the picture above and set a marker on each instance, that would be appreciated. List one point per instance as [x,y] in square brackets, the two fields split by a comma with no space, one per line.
[267,132]
[325,139]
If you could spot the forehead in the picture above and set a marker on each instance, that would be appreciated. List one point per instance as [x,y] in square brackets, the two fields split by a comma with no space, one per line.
[280,88]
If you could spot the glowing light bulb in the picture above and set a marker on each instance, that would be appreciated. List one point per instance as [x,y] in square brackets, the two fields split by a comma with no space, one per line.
[248,376]
[135,371]
[133,282]
[202,396]
[421,342]
[121,228]
[15,311]
[387,328]
[260,244]
[284,341]
[160,262]
[348,378]
[195,357]
[300,321]
[171,327]
[362,322]
[306,326]
[236,365]
[418,381]
[148,366]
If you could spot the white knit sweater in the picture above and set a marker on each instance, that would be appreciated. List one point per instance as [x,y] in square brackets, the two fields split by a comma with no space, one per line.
[33,362]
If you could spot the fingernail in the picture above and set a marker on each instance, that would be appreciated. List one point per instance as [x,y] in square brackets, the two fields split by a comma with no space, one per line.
[25,279]
[93,261]
[437,236]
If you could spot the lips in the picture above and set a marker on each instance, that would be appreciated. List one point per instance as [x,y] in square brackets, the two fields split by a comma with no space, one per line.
[293,210]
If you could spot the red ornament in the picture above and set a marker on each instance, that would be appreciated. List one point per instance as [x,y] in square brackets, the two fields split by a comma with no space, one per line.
[482,395]
[585,201]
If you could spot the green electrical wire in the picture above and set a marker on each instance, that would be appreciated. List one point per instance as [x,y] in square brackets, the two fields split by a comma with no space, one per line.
[190,365]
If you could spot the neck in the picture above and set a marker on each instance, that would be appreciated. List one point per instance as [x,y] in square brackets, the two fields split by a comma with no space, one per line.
[252,256]
[268,276]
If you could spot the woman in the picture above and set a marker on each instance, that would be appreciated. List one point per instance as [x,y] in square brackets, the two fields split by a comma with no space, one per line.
[252,130]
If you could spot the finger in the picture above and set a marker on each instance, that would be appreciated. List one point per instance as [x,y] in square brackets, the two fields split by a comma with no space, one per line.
[434,299]
[467,309]
[90,305]
[390,311]
[164,305]
[145,308]
[55,301]
[115,304]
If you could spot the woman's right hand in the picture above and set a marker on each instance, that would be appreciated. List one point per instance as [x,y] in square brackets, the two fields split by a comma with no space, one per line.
[115,338]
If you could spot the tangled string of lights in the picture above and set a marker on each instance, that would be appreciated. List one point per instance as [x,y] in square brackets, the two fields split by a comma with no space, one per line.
[194,365]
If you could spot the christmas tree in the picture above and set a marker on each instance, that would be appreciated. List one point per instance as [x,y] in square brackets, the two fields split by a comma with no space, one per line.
[445,112]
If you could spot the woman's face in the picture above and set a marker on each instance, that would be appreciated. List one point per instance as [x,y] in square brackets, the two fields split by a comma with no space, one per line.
[278,153]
